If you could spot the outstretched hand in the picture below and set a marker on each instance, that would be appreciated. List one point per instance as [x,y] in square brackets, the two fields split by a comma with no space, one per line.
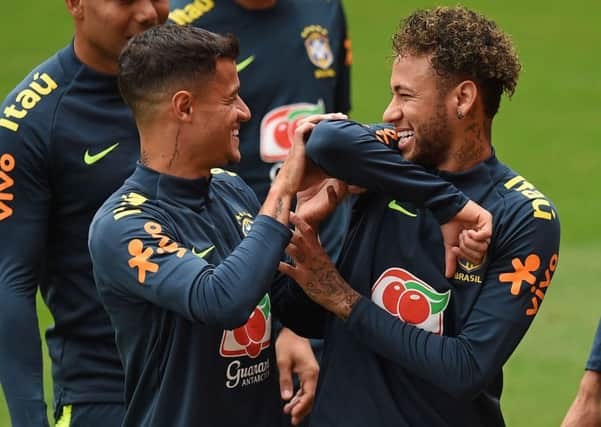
[467,235]
[315,272]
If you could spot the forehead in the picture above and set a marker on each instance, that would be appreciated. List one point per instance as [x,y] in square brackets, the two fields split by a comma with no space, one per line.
[412,71]
[225,79]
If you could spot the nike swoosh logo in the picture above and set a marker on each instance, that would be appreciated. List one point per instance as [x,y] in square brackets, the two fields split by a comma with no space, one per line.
[242,65]
[396,207]
[90,159]
[203,253]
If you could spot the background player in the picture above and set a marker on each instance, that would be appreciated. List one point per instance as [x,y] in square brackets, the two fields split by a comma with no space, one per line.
[422,348]
[63,128]
[295,61]
[585,411]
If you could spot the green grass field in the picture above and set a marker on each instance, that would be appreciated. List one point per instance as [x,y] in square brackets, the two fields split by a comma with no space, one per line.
[549,133]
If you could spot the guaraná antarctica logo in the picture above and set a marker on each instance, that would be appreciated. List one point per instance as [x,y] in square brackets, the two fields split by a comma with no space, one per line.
[410,299]
[278,126]
[252,337]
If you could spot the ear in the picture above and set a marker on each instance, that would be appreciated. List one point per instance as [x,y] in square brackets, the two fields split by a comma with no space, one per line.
[75,8]
[464,98]
[182,105]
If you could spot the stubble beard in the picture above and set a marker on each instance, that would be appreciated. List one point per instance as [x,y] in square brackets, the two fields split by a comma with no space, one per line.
[433,145]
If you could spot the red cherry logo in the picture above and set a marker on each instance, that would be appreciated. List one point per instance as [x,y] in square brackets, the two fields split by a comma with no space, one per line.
[241,336]
[391,296]
[413,307]
[253,349]
[256,325]
[280,133]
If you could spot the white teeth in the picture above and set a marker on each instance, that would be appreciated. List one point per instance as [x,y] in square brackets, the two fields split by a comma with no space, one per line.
[235,133]
[405,134]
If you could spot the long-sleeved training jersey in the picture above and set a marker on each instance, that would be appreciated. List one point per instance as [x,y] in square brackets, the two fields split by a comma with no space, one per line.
[67,141]
[419,349]
[594,360]
[294,61]
[185,280]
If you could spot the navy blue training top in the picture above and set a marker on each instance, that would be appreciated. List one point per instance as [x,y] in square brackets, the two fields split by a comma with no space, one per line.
[67,141]
[294,61]
[184,273]
[594,360]
[418,348]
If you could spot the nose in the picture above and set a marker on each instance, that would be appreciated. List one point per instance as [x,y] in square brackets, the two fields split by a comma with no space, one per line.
[243,111]
[146,13]
[393,112]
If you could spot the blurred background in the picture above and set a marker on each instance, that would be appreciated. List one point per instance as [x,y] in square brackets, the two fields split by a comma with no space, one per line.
[548,133]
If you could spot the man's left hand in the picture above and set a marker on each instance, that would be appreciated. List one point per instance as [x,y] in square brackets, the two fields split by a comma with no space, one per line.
[294,355]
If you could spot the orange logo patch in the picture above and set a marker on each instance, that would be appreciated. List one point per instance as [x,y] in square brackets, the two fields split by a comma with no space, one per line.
[140,259]
[524,272]
[7,164]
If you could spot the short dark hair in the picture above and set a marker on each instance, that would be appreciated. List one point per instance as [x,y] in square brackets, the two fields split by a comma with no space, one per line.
[159,57]
[463,44]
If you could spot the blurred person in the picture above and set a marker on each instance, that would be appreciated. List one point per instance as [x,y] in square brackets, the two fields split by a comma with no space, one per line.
[68,141]
[295,61]
[408,340]
[182,260]
[585,411]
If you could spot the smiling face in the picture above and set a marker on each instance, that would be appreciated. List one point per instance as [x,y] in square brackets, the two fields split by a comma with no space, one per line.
[217,112]
[102,27]
[419,112]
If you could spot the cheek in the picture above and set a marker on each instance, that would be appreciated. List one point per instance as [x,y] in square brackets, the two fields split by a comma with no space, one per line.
[162,9]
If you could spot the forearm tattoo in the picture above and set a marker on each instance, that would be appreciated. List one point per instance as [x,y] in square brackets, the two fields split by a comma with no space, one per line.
[330,289]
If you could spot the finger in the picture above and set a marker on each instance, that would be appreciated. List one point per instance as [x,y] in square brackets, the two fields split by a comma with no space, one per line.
[450,257]
[300,224]
[316,118]
[302,408]
[466,243]
[301,134]
[285,371]
[483,235]
[474,257]
[355,189]
[288,270]
[296,253]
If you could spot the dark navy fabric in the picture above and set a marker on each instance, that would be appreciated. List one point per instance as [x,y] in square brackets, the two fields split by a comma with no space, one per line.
[67,141]
[300,65]
[420,349]
[594,360]
[183,268]
[89,415]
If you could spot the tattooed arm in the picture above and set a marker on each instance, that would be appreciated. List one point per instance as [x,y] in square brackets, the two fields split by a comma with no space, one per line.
[315,272]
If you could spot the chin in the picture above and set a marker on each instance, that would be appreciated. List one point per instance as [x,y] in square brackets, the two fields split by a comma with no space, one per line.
[234,159]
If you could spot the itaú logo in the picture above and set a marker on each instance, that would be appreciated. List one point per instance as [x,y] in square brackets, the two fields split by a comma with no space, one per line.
[413,301]
[27,99]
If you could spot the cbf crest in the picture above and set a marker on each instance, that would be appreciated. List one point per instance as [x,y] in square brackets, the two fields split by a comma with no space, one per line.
[245,221]
[318,49]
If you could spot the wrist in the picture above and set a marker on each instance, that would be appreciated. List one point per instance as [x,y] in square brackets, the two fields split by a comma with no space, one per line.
[277,205]
[590,386]
[345,305]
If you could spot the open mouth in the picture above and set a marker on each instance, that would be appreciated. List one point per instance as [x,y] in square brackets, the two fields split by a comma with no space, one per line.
[405,137]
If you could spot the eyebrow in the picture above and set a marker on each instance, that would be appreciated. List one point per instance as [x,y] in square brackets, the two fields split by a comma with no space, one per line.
[400,87]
